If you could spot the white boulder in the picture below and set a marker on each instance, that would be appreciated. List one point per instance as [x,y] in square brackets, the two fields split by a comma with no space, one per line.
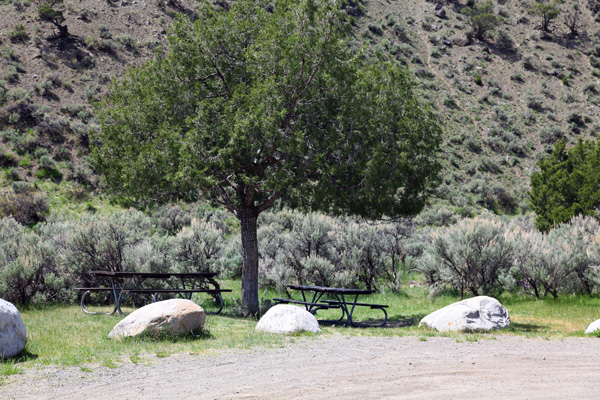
[13,334]
[594,326]
[287,319]
[176,317]
[481,313]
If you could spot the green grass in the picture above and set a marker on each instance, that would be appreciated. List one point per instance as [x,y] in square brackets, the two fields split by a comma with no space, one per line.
[64,335]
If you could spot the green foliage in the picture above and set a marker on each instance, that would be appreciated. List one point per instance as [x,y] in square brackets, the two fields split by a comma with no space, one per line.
[249,106]
[481,18]
[472,257]
[48,13]
[340,252]
[567,185]
[18,34]
[26,208]
[547,11]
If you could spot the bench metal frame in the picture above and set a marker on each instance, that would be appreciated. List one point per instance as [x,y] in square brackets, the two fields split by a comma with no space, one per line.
[120,281]
[345,299]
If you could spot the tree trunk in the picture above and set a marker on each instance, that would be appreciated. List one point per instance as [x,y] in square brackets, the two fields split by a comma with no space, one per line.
[248,217]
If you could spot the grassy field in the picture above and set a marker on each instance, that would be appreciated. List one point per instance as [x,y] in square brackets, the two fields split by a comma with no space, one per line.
[64,335]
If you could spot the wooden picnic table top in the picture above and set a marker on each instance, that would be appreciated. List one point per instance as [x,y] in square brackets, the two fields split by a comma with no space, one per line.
[332,290]
[114,274]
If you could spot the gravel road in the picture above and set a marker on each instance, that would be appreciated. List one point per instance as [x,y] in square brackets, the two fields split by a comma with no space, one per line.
[340,367]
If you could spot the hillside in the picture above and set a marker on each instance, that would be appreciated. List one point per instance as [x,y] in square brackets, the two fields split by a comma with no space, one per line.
[503,101]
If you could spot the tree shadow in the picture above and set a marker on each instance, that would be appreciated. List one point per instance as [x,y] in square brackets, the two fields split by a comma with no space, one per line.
[396,321]
[403,321]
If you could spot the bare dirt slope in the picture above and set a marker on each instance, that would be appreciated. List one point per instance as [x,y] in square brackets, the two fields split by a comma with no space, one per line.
[342,368]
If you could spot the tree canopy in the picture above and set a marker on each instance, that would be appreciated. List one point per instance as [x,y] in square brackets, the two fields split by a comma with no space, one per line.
[481,18]
[567,185]
[263,101]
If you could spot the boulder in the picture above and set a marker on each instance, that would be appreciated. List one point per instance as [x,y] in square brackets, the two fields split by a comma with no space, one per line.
[594,326]
[174,317]
[441,13]
[287,319]
[461,41]
[480,313]
[13,334]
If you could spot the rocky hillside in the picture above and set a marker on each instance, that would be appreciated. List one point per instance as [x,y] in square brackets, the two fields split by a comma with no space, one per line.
[503,99]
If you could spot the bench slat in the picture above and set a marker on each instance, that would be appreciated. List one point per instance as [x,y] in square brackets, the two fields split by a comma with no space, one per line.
[358,304]
[154,290]
[307,303]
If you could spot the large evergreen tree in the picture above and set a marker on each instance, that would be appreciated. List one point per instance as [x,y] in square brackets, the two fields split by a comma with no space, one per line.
[260,101]
[567,185]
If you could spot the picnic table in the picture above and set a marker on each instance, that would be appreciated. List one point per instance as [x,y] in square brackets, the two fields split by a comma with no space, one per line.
[316,298]
[123,284]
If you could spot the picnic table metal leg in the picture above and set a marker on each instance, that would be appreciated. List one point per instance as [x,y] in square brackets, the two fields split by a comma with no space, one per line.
[221,303]
[84,296]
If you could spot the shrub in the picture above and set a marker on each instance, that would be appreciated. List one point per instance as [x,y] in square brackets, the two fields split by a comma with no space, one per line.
[535,102]
[28,266]
[47,162]
[105,244]
[198,248]
[171,218]
[18,34]
[25,208]
[472,256]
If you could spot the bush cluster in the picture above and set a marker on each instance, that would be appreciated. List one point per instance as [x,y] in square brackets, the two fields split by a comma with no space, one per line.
[481,255]
[45,262]
[320,250]
[487,255]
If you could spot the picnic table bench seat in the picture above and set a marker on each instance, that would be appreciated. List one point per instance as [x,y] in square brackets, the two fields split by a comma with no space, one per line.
[373,306]
[150,291]
[313,307]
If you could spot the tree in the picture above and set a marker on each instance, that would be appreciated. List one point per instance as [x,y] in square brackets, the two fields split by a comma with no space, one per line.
[547,11]
[262,103]
[567,185]
[573,20]
[48,11]
[481,18]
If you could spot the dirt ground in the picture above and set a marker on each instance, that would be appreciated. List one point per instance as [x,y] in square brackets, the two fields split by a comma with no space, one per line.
[340,367]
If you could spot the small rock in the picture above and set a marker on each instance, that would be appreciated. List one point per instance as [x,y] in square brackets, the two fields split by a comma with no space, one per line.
[441,13]
[461,41]
[287,319]
[13,334]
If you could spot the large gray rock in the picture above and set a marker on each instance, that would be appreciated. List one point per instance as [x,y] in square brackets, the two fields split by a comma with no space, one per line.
[176,317]
[594,326]
[480,313]
[287,319]
[13,334]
